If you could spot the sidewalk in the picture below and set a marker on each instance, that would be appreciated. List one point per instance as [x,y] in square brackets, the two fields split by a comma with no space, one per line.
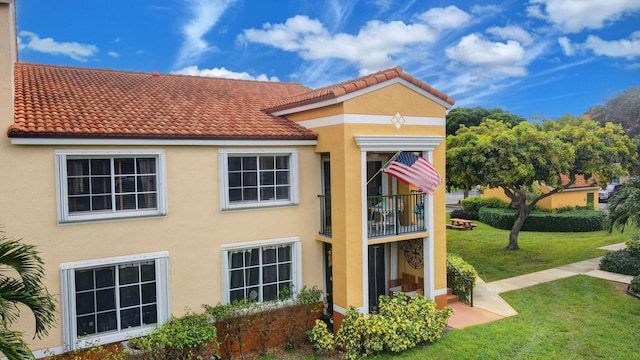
[489,305]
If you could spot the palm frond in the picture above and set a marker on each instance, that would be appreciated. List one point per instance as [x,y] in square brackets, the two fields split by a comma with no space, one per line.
[21,258]
[13,347]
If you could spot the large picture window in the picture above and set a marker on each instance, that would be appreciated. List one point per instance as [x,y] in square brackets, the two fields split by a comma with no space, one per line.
[99,185]
[114,297]
[261,272]
[258,178]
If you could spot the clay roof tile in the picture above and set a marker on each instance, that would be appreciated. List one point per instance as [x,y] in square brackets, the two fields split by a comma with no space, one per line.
[69,101]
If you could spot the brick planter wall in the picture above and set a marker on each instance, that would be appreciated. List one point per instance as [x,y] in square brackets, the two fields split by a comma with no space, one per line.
[267,329]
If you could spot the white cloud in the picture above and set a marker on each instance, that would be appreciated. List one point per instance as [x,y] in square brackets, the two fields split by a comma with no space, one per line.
[486,9]
[206,14]
[290,36]
[567,48]
[494,57]
[627,48]
[450,17]
[223,73]
[113,54]
[512,33]
[80,52]
[573,16]
[383,4]
[371,49]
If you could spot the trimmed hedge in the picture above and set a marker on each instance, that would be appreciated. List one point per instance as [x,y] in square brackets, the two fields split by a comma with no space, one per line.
[474,203]
[463,214]
[620,262]
[635,285]
[570,221]
[471,206]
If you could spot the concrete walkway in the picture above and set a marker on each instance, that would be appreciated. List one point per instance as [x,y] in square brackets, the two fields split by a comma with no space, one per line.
[490,306]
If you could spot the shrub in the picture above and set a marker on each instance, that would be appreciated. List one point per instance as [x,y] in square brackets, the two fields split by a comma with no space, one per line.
[349,336]
[620,262]
[635,285]
[189,337]
[633,245]
[571,221]
[321,337]
[464,214]
[474,203]
[400,324]
[464,268]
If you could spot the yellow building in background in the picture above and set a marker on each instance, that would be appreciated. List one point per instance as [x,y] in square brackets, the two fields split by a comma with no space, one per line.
[581,194]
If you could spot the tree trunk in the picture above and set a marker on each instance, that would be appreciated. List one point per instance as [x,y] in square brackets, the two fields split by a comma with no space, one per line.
[523,213]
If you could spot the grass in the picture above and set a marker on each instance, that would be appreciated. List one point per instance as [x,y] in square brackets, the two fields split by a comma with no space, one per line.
[483,247]
[574,318]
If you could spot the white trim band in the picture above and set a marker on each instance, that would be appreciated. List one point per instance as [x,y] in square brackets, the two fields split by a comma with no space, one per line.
[157,142]
[370,120]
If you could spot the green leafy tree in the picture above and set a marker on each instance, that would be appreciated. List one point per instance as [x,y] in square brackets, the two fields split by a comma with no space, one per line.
[515,158]
[21,274]
[622,108]
[475,116]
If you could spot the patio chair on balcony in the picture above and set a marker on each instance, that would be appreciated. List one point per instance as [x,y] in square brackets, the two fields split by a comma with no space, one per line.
[384,214]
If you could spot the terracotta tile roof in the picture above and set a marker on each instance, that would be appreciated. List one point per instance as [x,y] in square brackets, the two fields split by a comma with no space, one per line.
[580,182]
[57,101]
[337,90]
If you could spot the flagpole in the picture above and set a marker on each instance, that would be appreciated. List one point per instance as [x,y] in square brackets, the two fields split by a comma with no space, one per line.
[383,166]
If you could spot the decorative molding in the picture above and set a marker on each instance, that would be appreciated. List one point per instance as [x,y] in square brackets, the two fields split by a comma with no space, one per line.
[157,142]
[439,292]
[113,260]
[258,243]
[370,120]
[368,89]
[396,143]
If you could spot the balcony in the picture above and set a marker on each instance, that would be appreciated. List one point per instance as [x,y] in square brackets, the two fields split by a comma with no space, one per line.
[387,215]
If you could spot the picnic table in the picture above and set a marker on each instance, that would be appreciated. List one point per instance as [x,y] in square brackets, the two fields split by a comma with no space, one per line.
[461,224]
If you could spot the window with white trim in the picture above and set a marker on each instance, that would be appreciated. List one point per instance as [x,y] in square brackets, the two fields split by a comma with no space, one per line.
[112,299]
[252,178]
[106,184]
[261,273]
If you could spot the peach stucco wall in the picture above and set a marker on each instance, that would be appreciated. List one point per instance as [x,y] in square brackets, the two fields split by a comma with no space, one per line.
[192,232]
[346,183]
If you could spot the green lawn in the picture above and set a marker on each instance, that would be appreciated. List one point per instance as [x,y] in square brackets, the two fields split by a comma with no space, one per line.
[574,318]
[483,247]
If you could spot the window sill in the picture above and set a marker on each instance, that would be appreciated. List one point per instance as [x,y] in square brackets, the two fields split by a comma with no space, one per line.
[113,337]
[101,219]
[258,206]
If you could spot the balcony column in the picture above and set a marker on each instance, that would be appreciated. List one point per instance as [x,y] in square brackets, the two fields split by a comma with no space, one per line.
[365,233]
[428,242]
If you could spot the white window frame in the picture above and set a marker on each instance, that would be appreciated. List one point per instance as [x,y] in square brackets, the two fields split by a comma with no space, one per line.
[68,303]
[296,261]
[223,166]
[62,191]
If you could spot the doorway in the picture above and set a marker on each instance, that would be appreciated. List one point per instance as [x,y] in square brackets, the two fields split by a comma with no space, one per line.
[328,277]
[377,274]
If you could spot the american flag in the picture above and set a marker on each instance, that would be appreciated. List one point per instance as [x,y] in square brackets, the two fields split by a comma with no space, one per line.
[414,170]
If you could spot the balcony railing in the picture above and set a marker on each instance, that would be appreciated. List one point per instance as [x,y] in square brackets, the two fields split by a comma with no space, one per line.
[390,215]
[387,215]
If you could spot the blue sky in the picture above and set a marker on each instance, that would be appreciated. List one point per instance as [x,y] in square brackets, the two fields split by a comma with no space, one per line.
[541,58]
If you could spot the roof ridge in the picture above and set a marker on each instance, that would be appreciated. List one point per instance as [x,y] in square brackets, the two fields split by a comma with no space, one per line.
[153,73]
[340,89]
